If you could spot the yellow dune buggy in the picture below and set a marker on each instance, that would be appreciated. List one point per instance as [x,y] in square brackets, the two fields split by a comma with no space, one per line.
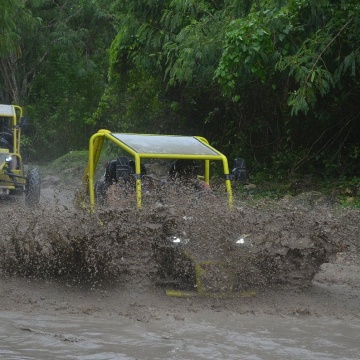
[184,151]
[13,179]
[190,158]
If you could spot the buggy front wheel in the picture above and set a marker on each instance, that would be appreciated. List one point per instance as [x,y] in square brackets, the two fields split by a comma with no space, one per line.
[32,188]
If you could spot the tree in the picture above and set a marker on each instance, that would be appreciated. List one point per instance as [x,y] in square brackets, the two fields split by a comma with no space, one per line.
[59,70]
[273,81]
[16,20]
[304,55]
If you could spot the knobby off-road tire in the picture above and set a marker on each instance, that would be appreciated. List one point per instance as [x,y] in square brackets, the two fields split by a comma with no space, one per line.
[32,189]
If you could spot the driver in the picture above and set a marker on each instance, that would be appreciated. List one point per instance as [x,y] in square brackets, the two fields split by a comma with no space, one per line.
[6,135]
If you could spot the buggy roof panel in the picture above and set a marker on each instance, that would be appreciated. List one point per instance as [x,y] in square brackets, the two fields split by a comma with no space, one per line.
[7,110]
[166,144]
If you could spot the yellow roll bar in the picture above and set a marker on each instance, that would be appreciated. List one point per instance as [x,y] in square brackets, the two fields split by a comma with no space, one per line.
[148,146]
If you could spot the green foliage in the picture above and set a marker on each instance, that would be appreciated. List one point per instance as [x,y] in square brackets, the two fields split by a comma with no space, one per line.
[73,159]
[10,10]
[193,52]
[326,57]
[349,191]
[272,81]
[248,44]
[60,72]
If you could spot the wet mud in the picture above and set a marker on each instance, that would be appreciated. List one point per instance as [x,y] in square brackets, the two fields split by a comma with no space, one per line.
[79,285]
[291,253]
[251,245]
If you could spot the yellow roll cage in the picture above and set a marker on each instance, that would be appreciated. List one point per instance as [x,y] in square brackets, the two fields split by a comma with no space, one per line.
[14,113]
[151,146]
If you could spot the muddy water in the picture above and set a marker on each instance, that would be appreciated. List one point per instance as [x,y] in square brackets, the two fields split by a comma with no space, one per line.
[42,321]
[256,245]
[215,336]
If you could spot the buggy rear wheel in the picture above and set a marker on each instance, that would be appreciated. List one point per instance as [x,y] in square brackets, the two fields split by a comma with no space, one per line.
[32,189]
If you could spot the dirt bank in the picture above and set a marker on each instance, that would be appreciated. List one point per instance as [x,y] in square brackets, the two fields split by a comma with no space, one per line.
[58,260]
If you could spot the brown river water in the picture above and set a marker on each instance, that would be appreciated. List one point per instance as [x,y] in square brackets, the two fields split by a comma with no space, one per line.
[213,336]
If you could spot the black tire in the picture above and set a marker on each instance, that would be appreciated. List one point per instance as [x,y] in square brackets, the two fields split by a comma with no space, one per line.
[32,189]
[100,189]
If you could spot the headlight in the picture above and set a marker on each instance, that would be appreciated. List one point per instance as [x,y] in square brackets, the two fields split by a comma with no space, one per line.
[8,159]
[243,240]
[240,241]
[177,240]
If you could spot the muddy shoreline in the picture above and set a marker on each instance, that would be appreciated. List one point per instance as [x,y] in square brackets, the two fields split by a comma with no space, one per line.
[150,303]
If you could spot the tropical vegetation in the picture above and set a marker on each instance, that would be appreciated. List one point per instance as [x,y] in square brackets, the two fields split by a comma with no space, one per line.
[275,82]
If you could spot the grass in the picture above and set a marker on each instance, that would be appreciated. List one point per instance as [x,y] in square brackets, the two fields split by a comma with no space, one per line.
[346,190]
[71,166]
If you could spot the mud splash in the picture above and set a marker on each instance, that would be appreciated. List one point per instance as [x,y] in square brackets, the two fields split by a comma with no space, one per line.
[262,244]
